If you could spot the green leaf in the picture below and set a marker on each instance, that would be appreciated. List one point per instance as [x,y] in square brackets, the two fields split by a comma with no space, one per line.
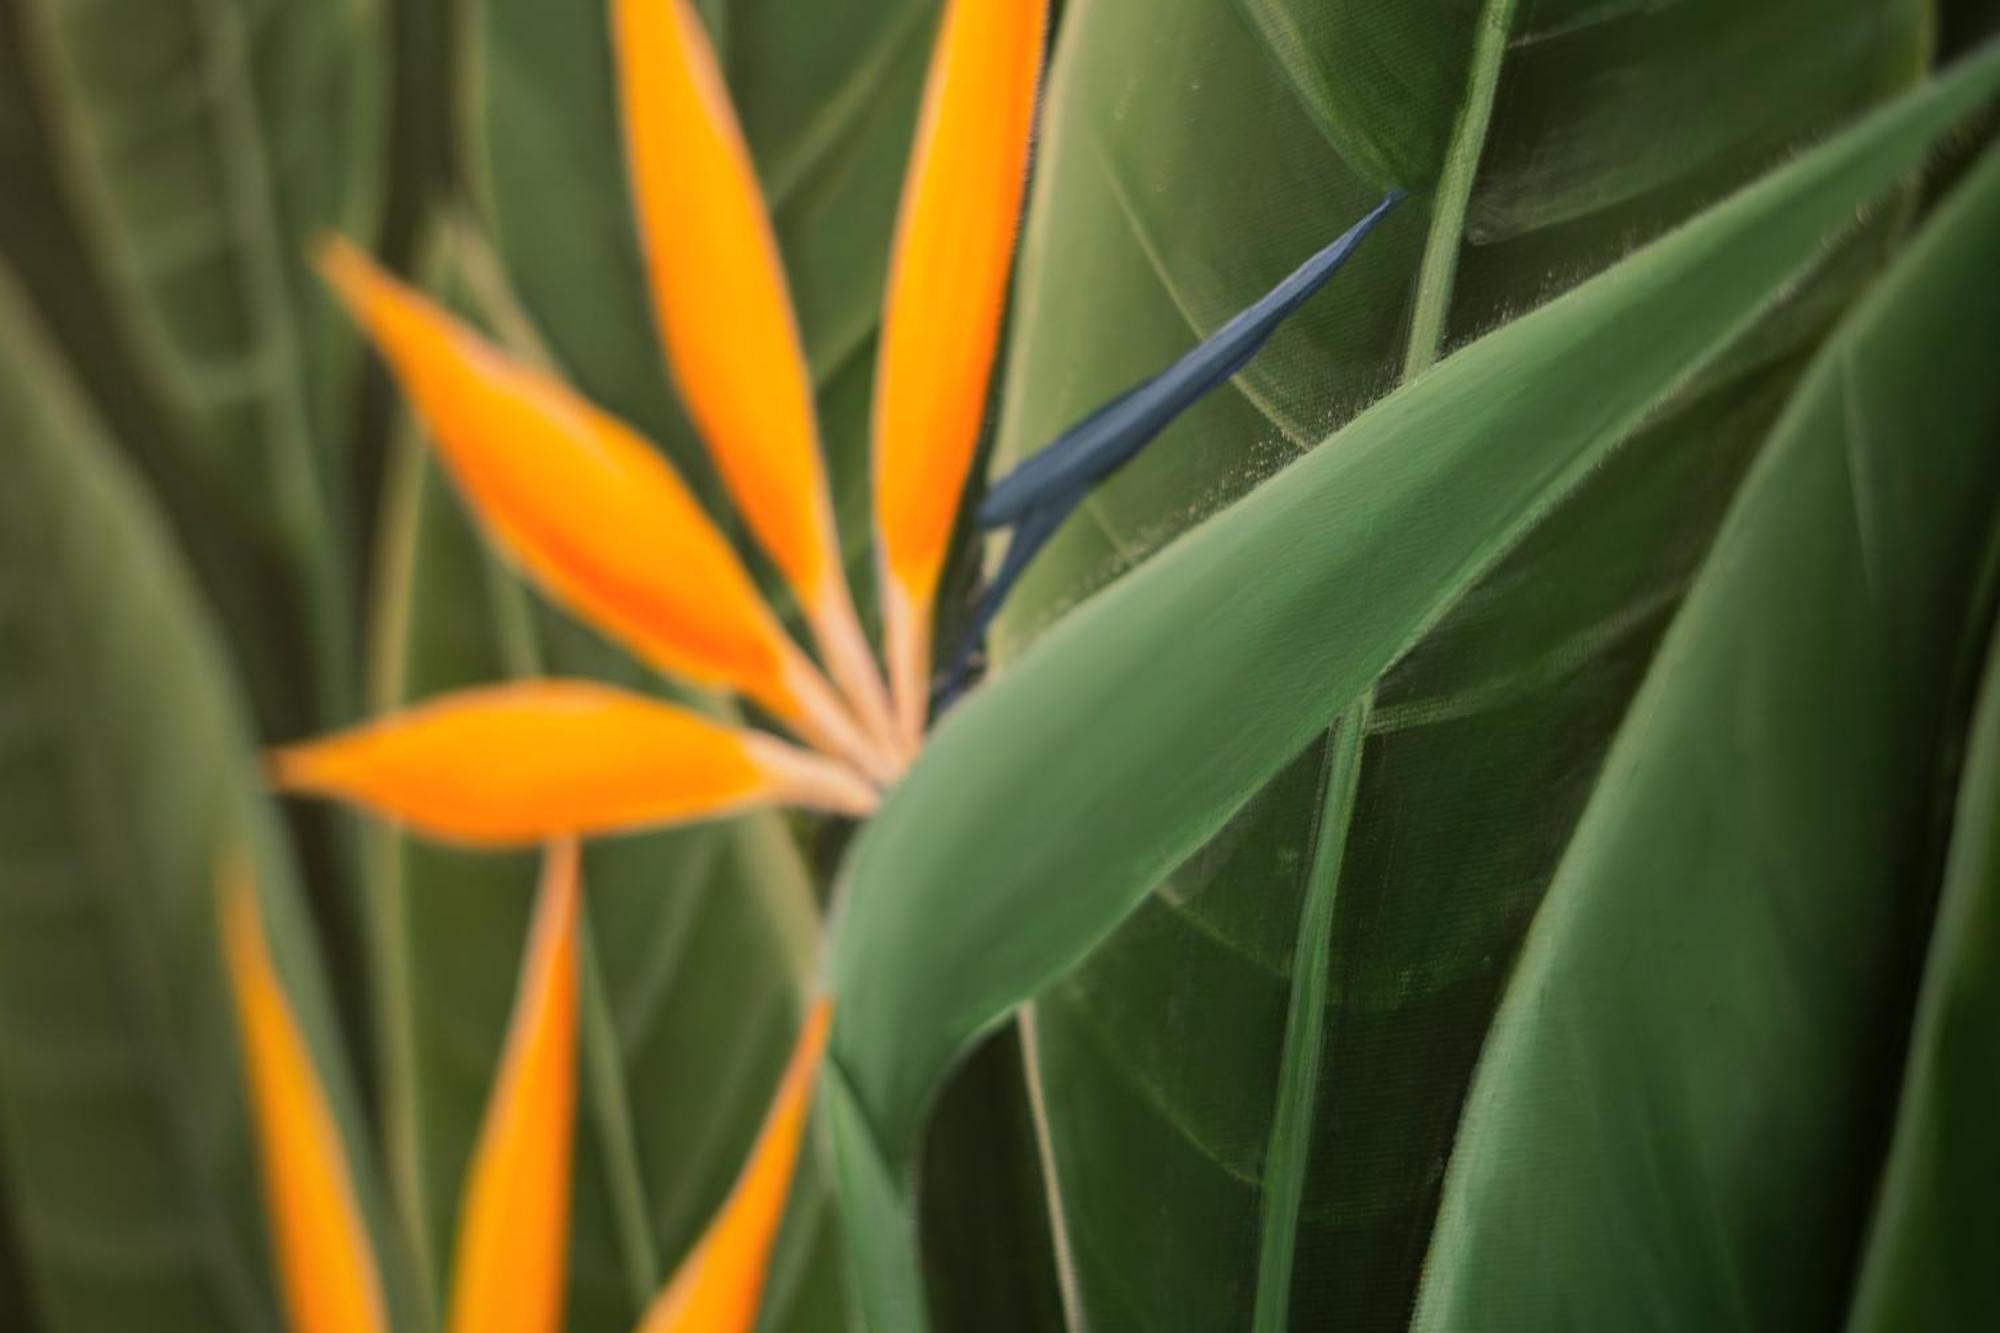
[1677,1111]
[1047,806]
[1497,719]
[827,94]
[124,779]
[987,1249]
[14,1306]
[1929,1258]
[200,144]
[882,1266]
[233,552]
[701,944]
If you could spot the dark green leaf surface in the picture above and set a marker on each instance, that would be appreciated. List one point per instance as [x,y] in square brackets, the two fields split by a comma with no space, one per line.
[201,143]
[988,1258]
[1558,136]
[827,94]
[234,554]
[1049,804]
[1680,1104]
[15,1310]
[1929,1258]
[124,778]
[702,939]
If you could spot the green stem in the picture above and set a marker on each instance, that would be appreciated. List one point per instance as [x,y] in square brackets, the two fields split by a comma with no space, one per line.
[604,1067]
[1287,1157]
[1454,188]
[1290,1151]
[1045,1152]
[395,1026]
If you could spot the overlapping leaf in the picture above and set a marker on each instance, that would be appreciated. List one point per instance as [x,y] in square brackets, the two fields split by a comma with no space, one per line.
[1927,1261]
[126,775]
[1677,1112]
[199,144]
[1062,793]
[1598,133]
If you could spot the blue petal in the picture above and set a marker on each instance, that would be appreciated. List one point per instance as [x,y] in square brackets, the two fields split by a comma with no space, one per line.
[1109,437]
[1037,496]
[1034,529]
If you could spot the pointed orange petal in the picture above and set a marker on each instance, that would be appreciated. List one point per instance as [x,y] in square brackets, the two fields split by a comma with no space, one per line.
[719,1285]
[513,1221]
[588,509]
[539,759]
[326,1267]
[725,315]
[947,288]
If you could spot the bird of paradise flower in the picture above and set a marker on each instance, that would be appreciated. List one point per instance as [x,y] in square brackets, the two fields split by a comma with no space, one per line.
[595,517]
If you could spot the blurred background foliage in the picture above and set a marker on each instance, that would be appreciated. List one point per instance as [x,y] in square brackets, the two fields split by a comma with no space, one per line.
[219,531]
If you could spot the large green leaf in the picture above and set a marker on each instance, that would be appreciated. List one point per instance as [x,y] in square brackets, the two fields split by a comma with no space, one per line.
[1929,1259]
[1048,804]
[1678,1109]
[827,93]
[701,944]
[233,553]
[1345,935]
[124,779]
[201,143]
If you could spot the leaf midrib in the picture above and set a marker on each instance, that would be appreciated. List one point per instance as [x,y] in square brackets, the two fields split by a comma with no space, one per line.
[1288,1157]
[1453,194]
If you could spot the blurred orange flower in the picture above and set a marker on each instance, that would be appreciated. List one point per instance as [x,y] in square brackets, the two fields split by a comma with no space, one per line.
[594,516]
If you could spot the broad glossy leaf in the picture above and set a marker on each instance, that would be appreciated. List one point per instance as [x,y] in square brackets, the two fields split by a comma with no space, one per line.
[1678,1110]
[827,94]
[124,780]
[1047,806]
[1496,720]
[701,940]
[1929,1258]
[201,143]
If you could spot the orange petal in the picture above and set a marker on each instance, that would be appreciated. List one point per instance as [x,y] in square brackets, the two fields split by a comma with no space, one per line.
[326,1266]
[588,509]
[719,1285]
[513,1221]
[725,315]
[539,759]
[947,288]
